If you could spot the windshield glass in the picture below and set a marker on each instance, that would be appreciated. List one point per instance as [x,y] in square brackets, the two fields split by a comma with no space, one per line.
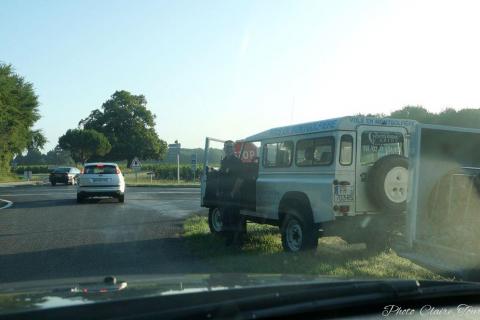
[222,144]
[100,169]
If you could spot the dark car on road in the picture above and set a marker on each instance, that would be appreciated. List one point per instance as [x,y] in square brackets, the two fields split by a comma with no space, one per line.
[67,175]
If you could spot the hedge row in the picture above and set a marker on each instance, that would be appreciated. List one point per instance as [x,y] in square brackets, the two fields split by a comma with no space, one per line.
[33,168]
[169,172]
[163,171]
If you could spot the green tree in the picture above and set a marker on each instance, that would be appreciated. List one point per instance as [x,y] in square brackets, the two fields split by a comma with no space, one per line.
[36,140]
[84,144]
[18,114]
[466,118]
[129,126]
[58,156]
[33,156]
[414,113]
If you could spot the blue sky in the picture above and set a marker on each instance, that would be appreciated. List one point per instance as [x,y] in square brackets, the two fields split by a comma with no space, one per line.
[229,69]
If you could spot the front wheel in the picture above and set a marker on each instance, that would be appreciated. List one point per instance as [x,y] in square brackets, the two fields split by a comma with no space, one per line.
[215,220]
[79,198]
[53,183]
[297,235]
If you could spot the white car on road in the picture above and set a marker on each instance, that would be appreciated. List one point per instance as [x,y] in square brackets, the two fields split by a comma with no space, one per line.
[101,179]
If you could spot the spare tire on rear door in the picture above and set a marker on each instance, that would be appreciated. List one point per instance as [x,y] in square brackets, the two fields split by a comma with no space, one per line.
[387,183]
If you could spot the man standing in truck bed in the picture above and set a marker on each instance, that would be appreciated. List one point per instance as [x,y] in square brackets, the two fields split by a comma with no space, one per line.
[230,169]
[231,181]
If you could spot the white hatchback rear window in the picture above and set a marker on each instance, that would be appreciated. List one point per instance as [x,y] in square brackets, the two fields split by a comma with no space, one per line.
[100,169]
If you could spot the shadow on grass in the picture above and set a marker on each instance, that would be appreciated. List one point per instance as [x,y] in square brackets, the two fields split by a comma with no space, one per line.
[262,253]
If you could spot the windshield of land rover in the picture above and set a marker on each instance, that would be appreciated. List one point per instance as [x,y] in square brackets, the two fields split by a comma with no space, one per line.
[378,144]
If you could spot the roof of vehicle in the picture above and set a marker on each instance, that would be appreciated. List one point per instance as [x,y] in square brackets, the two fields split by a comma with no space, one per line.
[343,123]
[100,163]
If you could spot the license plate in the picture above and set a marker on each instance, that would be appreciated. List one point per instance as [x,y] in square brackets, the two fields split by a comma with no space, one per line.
[100,179]
[343,194]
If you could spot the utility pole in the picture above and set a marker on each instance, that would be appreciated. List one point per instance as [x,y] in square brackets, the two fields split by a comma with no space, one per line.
[178,162]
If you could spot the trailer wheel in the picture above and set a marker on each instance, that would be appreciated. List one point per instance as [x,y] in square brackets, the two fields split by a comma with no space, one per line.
[378,242]
[388,183]
[215,220]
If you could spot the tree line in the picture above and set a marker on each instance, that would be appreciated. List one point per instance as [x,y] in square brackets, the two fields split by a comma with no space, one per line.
[465,118]
[122,128]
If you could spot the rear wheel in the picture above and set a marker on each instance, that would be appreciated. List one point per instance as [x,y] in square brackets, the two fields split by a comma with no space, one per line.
[53,183]
[121,198]
[79,198]
[297,233]
[215,220]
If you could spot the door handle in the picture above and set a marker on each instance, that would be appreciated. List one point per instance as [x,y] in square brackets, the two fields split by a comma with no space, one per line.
[363,177]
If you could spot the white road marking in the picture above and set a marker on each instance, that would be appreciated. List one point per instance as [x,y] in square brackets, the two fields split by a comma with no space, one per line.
[9,204]
[164,192]
[74,192]
[34,194]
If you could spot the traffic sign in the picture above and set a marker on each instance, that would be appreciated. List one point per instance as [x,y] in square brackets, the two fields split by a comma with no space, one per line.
[250,151]
[173,152]
[136,165]
[173,155]
[174,146]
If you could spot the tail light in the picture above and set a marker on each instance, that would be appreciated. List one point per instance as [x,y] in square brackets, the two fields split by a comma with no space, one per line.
[118,171]
[344,209]
[81,171]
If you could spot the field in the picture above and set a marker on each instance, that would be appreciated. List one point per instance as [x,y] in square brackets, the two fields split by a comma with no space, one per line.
[143,179]
[8,178]
[160,175]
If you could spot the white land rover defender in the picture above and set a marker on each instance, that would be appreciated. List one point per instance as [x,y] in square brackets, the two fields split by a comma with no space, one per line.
[346,177]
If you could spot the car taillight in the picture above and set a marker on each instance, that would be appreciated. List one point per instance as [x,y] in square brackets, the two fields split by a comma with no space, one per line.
[118,171]
[81,171]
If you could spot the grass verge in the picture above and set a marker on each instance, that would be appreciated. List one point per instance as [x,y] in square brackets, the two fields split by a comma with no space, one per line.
[146,182]
[9,178]
[262,253]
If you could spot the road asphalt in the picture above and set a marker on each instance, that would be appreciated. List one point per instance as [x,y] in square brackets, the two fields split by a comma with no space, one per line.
[45,234]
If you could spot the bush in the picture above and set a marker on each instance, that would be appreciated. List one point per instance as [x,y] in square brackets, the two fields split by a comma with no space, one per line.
[33,168]
[169,171]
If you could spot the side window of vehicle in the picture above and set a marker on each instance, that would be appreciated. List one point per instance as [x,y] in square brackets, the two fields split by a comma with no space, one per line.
[346,150]
[278,154]
[315,152]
